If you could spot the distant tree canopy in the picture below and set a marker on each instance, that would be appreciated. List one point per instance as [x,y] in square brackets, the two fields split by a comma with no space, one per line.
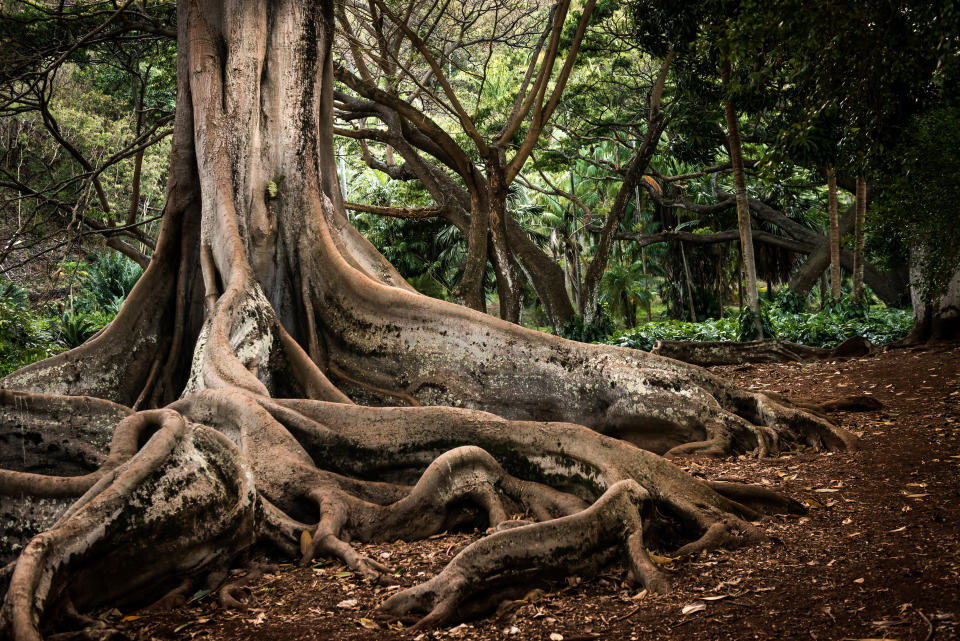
[87,98]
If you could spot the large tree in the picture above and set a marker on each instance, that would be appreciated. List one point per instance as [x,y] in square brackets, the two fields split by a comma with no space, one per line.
[205,419]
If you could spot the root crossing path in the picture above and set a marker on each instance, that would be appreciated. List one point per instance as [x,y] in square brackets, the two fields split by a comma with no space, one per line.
[243,394]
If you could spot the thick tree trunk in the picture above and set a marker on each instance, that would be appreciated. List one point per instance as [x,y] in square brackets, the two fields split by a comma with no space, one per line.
[217,423]
[937,319]
[544,274]
[834,233]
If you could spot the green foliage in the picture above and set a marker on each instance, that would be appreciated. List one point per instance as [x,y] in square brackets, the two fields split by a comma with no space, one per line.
[751,327]
[76,327]
[24,337]
[624,288]
[790,302]
[111,277]
[28,334]
[841,319]
[644,337]
[921,201]
[575,329]
[13,293]
[827,328]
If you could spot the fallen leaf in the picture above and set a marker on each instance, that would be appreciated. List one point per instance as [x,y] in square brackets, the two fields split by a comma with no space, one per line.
[554,636]
[347,604]
[860,580]
[699,606]
[368,624]
[132,617]
[660,560]
[716,598]
[305,540]
[343,575]
[199,594]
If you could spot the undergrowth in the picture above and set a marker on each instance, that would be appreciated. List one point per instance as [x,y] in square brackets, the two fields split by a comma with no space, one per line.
[826,328]
[31,333]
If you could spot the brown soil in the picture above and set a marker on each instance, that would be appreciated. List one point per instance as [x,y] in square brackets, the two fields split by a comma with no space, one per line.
[877,556]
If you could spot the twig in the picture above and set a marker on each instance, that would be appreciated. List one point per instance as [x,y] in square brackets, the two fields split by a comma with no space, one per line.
[929,623]
[629,614]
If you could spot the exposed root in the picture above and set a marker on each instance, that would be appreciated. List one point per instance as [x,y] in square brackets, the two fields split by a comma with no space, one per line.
[186,484]
[728,533]
[235,595]
[524,555]
[127,438]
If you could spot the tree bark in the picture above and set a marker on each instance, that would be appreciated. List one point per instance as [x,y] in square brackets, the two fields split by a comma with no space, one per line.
[471,288]
[751,295]
[209,415]
[936,319]
[509,286]
[834,234]
[858,223]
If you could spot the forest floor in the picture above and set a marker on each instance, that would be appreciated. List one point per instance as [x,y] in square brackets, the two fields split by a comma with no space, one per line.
[876,557]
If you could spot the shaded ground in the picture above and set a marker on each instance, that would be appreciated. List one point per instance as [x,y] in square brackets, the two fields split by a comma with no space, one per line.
[878,555]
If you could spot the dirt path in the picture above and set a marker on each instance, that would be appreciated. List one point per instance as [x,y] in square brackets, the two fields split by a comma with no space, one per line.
[878,555]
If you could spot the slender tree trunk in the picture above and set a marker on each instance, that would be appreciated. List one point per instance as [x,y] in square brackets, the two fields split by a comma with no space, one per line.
[751,295]
[635,169]
[689,287]
[471,289]
[834,234]
[858,223]
[509,285]
[891,287]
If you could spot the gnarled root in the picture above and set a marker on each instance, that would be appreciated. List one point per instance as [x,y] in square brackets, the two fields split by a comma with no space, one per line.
[182,502]
[581,542]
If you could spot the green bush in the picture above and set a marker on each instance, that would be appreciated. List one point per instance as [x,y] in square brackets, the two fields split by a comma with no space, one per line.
[76,327]
[110,276]
[598,331]
[28,335]
[24,336]
[828,328]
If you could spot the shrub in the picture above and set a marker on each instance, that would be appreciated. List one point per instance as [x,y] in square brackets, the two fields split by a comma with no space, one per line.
[595,332]
[827,328]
